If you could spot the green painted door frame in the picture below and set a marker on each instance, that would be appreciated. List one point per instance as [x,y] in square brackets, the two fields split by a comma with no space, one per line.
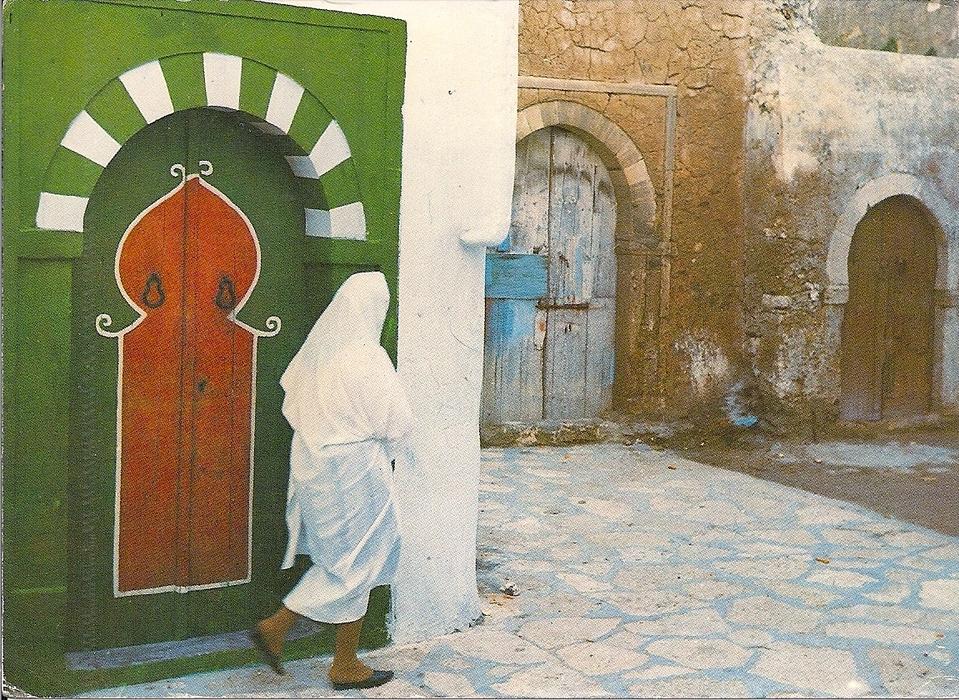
[64,58]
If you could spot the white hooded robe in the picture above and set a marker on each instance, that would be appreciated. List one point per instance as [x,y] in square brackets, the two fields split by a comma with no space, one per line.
[349,412]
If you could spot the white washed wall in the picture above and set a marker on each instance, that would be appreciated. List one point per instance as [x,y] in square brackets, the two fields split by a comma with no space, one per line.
[458,154]
[844,129]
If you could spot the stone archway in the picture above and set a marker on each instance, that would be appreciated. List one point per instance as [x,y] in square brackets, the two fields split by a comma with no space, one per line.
[637,241]
[626,165]
[944,229]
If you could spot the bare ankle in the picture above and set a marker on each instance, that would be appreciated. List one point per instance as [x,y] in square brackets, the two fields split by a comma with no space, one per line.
[274,635]
[350,670]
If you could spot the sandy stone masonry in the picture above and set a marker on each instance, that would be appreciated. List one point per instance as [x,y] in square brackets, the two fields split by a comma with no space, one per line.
[679,350]
[777,137]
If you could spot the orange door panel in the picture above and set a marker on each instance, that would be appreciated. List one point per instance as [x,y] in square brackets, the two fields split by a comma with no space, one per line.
[187,379]
[151,365]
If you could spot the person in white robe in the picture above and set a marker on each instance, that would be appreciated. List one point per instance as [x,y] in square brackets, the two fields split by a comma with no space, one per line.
[349,415]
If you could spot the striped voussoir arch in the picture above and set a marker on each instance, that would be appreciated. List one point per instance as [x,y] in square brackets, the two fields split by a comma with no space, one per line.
[278,105]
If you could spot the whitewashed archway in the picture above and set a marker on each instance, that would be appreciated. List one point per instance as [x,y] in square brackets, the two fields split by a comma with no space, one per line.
[944,217]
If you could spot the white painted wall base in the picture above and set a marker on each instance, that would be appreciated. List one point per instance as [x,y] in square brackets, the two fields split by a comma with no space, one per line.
[458,155]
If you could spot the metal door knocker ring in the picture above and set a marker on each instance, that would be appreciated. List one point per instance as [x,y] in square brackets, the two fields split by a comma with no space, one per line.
[153,295]
[225,294]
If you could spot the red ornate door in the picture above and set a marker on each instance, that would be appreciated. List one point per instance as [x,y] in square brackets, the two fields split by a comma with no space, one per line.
[185,394]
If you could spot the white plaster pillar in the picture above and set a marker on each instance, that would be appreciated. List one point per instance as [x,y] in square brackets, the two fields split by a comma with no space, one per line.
[459,130]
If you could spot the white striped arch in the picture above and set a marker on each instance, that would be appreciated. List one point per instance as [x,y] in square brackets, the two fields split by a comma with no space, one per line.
[275,103]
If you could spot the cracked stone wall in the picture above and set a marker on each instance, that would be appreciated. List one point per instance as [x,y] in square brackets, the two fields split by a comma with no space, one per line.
[779,137]
[701,47]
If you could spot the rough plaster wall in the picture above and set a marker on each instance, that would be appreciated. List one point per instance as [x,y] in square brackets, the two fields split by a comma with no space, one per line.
[823,121]
[458,155]
[904,26]
[701,46]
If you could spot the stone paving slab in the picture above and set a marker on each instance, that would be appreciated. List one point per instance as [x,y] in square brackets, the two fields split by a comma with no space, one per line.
[641,573]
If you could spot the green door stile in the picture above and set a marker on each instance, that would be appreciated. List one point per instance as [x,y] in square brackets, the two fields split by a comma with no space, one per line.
[59,375]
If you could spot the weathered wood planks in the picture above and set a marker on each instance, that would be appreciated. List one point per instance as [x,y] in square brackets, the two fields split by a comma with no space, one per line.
[551,288]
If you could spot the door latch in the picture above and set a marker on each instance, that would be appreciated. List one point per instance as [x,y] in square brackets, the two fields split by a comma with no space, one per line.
[225,294]
[550,304]
[153,295]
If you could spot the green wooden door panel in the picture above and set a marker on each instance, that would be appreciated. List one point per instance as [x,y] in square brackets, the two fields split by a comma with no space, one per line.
[138,176]
[60,414]
[33,498]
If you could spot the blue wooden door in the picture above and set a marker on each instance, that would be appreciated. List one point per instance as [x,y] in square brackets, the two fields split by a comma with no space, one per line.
[550,288]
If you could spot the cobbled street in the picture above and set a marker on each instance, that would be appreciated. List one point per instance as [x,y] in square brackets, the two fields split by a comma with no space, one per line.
[637,572]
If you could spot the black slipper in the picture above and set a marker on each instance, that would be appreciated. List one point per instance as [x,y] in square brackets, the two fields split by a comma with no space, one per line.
[377,678]
[271,659]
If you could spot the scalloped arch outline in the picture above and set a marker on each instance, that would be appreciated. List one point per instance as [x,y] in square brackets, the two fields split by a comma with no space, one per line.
[278,104]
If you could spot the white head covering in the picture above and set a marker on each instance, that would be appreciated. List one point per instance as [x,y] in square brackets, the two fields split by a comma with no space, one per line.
[341,386]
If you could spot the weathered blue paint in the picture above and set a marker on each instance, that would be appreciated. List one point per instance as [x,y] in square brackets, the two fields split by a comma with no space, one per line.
[513,364]
[515,276]
[510,320]
[736,410]
[560,251]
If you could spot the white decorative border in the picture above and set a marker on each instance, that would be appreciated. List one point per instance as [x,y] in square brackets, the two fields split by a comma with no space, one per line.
[149,90]
[89,139]
[346,222]
[331,150]
[61,212]
[221,75]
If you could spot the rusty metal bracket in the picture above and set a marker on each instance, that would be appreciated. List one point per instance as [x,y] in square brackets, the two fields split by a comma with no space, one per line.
[548,304]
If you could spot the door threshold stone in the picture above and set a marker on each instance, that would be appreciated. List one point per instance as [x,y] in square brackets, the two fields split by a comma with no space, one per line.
[140,654]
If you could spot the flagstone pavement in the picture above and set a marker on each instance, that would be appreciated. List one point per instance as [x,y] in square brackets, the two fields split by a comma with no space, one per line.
[639,573]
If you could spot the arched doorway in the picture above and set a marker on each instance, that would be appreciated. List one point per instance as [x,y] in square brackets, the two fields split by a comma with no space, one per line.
[193,248]
[551,287]
[888,323]
[343,126]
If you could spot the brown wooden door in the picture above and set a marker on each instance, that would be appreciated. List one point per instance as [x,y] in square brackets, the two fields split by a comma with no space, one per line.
[887,328]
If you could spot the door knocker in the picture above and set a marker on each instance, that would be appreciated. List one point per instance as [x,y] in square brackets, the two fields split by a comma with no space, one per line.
[225,294]
[153,295]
